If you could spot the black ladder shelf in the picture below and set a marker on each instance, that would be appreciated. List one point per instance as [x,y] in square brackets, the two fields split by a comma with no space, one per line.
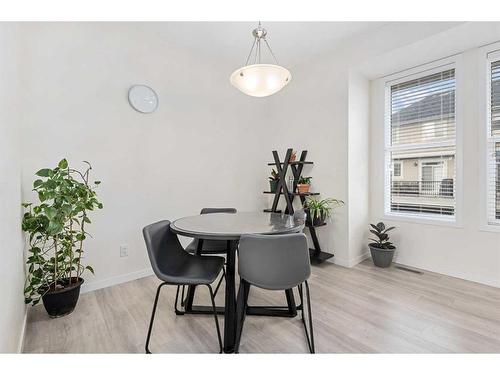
[316,254]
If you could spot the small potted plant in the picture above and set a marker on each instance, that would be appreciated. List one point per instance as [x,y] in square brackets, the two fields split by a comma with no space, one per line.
[304,184]
[317,211]
[381,248]
[56,230]
[273,181]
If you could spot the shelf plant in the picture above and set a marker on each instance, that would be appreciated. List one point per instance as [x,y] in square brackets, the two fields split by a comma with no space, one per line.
[318,210]
[273,180]
[304,184]
[382,249]
[56,231]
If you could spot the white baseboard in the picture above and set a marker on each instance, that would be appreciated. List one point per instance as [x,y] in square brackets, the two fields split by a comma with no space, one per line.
[88,287]
[23,332]
[352,261]
[359,259]
[339,261]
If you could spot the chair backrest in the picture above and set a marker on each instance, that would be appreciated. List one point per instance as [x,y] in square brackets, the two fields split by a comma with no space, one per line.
[209,210]
[164,249]
[274,262]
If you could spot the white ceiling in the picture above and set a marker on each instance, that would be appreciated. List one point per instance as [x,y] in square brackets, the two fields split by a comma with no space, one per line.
[230,42]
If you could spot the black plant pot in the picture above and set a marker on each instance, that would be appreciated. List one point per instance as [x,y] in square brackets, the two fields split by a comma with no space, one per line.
[62,301]
[317,221]
[381,257]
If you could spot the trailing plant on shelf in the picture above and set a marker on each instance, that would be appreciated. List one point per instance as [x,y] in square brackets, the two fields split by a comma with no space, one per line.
[381,248]
[318,211]
[273,180]
[56,229]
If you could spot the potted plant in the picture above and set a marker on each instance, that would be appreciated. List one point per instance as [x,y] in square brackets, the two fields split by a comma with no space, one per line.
[56,232]
[273,181]
[304,184]
[317,211]
[381,248]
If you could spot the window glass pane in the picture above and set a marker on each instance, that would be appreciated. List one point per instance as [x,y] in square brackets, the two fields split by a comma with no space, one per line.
[423,110]
[426,184]
[493,148]
[422,145]
[397,170]
[495,98]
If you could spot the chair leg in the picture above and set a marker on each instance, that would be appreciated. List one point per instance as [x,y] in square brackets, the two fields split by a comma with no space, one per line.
[220,281]
[153,317]
[242,304]
[309,335]
[182,297]
[212,297]
[177,311]
[301,296]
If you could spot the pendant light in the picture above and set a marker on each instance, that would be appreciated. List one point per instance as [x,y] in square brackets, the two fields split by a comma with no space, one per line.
[259,79]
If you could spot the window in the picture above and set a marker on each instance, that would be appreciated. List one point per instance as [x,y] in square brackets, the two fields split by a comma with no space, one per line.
[493,144]
[396,171]
[421,136]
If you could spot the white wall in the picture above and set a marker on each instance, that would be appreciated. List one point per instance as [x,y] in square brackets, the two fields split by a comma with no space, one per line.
[358,165]
[12,311]
[205,146]
[465,250]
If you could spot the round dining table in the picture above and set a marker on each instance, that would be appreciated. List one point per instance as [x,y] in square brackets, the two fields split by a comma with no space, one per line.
[230,227]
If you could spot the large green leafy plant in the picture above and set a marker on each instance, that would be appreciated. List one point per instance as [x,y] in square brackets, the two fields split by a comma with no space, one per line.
[56,228]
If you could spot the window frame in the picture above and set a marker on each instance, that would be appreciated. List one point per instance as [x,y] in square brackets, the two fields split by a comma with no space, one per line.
[452,62]
[487,55]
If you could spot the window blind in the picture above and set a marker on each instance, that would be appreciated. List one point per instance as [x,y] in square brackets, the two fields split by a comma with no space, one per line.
[420,151]
[493,144]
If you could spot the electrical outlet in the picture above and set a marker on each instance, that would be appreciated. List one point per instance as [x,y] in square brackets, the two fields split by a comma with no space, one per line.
[123,251]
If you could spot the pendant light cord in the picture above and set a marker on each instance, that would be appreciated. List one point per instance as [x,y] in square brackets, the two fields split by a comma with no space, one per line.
[270,50]
[251,49]
[258,51]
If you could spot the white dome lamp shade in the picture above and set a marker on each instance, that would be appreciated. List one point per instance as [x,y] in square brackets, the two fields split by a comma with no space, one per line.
[257,79]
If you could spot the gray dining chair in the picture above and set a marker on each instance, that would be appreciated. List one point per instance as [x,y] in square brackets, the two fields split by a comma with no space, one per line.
[275,263]
[173,266]
[210,247]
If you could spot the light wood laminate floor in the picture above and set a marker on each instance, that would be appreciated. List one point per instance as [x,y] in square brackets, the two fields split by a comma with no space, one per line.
[363,310]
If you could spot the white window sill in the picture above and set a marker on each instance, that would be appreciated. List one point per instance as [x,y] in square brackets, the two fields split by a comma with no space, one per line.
[421,219]
[490,228]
